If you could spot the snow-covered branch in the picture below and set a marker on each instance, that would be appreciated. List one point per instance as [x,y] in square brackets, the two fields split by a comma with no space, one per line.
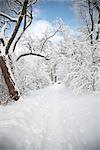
[2,34]
[49,37]
[18,23]
[8,17]
[24,28]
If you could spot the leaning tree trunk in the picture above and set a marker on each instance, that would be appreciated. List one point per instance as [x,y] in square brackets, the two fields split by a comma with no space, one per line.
[14,94]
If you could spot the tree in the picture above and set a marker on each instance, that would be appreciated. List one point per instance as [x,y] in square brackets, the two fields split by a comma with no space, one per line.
[38,74]
[74,65]
[17,14]
[89,12]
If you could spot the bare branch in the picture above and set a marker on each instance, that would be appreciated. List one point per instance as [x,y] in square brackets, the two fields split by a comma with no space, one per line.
[34,54]
[49,37]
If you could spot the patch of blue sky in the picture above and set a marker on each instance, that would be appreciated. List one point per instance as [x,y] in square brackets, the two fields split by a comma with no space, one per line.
[51,9]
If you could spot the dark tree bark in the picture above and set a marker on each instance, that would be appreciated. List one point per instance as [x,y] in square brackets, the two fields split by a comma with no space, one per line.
[24,20]
[14,93]
[17,26]
[8,79]
[92,21]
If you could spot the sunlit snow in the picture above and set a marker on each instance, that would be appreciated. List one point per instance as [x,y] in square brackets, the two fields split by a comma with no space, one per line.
[51,119]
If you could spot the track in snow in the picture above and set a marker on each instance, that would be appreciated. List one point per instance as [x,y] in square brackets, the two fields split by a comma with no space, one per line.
[51,119]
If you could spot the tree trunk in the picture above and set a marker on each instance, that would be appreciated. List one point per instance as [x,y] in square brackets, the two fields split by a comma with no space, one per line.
[8,79]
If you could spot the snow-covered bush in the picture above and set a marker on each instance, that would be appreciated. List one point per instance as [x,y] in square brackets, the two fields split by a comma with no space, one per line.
[31,74]
[77,68]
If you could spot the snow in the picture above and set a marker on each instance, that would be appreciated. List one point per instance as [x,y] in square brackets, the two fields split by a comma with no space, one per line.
[51,119]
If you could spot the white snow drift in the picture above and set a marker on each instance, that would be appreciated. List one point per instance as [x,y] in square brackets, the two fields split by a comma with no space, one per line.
[51,119]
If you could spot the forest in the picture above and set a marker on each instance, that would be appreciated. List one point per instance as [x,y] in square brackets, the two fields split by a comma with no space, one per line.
[49,74]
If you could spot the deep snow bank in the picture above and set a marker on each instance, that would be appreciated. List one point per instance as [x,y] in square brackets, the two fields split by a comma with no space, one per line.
[51,119]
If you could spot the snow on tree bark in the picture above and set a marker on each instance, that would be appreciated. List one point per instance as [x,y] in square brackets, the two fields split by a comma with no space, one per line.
[8,79]
[8,45]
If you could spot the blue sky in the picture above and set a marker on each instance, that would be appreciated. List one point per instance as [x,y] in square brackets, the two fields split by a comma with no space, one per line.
[51,9]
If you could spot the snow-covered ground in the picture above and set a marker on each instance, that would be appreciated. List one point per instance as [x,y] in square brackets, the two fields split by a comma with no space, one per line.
[51,119]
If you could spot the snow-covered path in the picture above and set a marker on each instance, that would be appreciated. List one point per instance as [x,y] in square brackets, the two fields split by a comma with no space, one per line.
[51,119]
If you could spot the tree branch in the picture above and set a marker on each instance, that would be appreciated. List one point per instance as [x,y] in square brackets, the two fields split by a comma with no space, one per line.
[34,54]
[92,21]
[17,26]
[49,38]
[2,41]
[8,17]
[24,28]
[33,3]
